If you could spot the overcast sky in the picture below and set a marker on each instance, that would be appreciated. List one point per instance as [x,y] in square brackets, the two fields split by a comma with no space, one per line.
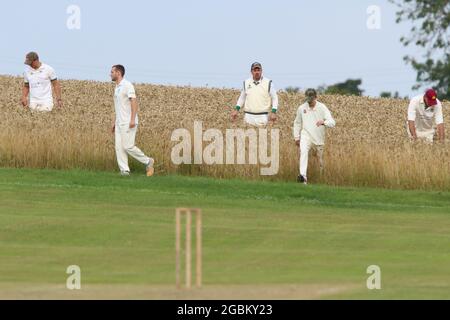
[212,43]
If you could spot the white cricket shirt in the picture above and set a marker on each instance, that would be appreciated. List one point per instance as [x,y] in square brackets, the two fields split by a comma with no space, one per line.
[305,124]
[40,82]
[123,94]
[425,118]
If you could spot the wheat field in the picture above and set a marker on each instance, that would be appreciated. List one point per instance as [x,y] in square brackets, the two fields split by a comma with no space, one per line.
[368,147]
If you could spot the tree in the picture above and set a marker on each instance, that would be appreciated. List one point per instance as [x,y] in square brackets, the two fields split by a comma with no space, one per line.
[292,89]
[386,94]
[349,87]
[431,31]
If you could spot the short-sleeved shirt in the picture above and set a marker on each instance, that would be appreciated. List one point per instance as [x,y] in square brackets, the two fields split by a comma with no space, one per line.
[40,82]
[425,117]
[123,94]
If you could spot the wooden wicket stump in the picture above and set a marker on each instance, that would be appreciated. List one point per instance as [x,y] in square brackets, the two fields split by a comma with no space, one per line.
[188,213]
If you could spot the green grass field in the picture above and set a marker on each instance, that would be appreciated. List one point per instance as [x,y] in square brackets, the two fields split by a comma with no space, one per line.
[261,239]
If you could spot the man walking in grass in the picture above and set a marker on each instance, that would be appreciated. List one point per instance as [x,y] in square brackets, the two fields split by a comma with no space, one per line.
[309,130]
[424,116]
[258,98]
[39,80]
[126,123]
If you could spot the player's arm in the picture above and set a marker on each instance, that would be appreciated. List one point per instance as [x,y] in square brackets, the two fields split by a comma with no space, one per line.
[412,120]
[131,94]
[275,102]
[56,86]
[298,124]
[329,122]
[412,129]
[239,104]
[440,123]
[25,93]
[134,110]
[57,89]
[441,132]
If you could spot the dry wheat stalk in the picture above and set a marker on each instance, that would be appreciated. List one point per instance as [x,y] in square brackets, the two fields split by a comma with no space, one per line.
[369,146]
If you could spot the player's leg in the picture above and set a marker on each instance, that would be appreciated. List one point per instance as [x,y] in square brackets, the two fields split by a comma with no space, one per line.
[121,154]
[305,146]
[256,120]
[427,137]
[430,137]
[128,140]
[41,107]
[249,120]
[33,106]
[46,108]
[262,120]
[319,150]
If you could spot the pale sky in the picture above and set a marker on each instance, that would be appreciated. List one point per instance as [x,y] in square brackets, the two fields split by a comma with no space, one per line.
[212,43]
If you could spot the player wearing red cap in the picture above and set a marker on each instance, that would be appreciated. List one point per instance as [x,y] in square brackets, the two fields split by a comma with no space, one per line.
[424,116]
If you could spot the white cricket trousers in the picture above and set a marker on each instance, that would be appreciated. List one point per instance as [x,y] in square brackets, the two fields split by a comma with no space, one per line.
[256,120]
[125,145]
[305,146]
[41,107]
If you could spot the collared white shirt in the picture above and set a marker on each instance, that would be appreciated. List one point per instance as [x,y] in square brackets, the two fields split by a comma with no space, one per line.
[305,124]
[425,117]
[123,94]
[40,82]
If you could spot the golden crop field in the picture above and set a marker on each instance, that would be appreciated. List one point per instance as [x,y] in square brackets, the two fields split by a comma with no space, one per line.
[368,147]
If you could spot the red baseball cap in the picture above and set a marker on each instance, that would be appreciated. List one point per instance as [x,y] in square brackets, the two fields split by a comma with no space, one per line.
[431,97]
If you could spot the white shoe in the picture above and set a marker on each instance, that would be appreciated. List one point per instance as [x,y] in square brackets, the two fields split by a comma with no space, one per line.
[125,173]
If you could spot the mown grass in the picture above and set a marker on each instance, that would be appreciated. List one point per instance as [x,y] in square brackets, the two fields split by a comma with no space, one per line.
[120,231]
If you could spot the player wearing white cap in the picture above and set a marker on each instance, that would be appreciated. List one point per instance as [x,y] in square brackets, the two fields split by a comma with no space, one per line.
[258,98]
[424,116]
[309,130]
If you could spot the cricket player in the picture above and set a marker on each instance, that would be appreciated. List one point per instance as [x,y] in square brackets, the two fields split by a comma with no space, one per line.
[39,80]
[258,98]
[126,123]
[309,130]
[424,115]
